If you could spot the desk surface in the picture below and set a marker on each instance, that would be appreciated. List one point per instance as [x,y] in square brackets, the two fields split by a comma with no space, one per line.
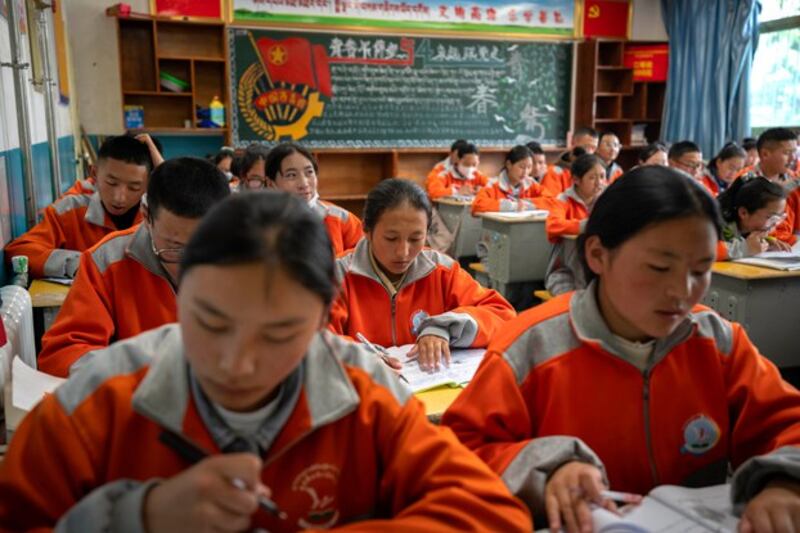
[498,217]
[437,400]
[742,271]
[453,201]
[47,294]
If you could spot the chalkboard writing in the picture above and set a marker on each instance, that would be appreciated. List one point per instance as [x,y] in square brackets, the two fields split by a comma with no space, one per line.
[350,90]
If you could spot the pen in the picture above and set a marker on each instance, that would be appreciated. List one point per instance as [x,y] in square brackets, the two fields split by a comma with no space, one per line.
[379,351]
[193,454]
[625,497]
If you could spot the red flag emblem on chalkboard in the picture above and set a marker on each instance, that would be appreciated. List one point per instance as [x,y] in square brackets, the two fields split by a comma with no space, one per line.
[295,60]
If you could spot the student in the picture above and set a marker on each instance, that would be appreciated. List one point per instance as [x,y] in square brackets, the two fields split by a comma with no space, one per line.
[557,179]
[750,145]
[76,222]
[292,168]
[446,164]
[396,292]
[653,154]
[127,281]
[462,179]
[276,406]
[723,169]
[630,382]
[608,150]
[776,147]
[567,218]
[251,168]
[223,161]
[687,157]
[751,208]
[513,189]
[539,162]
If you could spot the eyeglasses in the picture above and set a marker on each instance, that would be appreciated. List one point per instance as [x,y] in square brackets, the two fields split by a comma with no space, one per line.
[167,255]
[611,144]
[692,166]
[774,220]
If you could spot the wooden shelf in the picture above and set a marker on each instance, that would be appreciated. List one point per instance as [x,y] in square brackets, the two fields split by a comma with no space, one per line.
[155,93]
[193,58]
[183,131]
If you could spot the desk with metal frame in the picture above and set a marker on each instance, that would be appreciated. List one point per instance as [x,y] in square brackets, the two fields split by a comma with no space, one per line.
[457,214]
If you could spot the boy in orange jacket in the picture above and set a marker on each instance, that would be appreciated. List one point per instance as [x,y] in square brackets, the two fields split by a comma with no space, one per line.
[558,179]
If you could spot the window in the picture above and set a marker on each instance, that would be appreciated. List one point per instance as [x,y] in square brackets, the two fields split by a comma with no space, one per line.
[775,78]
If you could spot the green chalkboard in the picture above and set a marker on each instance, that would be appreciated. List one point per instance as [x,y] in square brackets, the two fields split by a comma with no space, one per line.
[356,90]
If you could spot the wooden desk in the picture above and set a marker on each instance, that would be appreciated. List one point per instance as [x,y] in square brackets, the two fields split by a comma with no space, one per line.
[518,248]
[765,301]
[437,400]
[457,213]
[47,294]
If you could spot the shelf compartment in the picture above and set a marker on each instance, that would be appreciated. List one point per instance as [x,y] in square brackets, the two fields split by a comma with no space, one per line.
[617,81]
[178,68]
[610,53]
[608,107]
[162,111]
[634,104]
[137,63]
[176,39]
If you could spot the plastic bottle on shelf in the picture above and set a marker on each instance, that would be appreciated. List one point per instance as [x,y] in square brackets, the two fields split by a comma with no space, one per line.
[217,112]
[19,264]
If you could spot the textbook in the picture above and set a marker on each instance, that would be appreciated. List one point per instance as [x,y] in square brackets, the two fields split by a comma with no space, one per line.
[672,509]
[776,260]
[535,214]
[27,388]
[463,365]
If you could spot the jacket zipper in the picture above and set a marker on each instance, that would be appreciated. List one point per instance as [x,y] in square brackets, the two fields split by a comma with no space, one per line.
[394,328]
[648,435]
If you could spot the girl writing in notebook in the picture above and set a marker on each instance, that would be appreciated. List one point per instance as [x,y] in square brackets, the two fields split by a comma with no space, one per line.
[751,209]
[395,291]
[630,383]
[513,189]
[246,415]
[292,168]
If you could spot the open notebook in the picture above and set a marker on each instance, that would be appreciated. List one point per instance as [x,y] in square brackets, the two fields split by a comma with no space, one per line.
[535,214]
[776,260]
[671,509]
[462,367]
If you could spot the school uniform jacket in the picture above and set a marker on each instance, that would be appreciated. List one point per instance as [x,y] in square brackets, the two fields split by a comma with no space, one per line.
[567,216]
[710,183]
[613,172]
[437,298]
[786,179]
[344,228]
[499,195]
[349,446]
[789,228]
[555,386]
[82,186]
[70,225]
[447,183]
[558,177]
[442,166]
[733,244]
[120,291]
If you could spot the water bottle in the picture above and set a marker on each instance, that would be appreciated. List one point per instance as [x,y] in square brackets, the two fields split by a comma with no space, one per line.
[217,112]
[19,264]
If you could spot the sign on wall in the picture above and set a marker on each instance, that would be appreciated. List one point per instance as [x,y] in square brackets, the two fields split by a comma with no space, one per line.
[551,18]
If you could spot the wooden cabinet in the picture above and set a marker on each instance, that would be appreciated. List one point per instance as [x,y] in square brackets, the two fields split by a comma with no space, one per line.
[193,52]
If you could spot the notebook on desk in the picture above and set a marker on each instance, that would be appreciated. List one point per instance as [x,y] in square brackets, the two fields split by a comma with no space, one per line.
[775,260]
[672,509]
[463,365]
[534,214]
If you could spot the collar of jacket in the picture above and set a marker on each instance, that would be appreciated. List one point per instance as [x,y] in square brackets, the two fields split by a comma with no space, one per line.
[327,393]
[96,213]
[573,194]
[782,177]
[590,327]
[140,250]
[505,183]
[361,265]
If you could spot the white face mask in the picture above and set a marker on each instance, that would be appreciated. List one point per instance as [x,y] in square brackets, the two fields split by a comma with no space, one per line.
[467,172]
[228,175]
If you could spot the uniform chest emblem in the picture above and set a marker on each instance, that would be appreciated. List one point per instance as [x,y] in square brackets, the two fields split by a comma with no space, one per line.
[320,482]
[700,434]
[417,318]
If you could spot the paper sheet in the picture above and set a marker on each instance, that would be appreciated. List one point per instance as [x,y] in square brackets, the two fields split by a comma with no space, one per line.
[29,386]
[535,214]
[462,367]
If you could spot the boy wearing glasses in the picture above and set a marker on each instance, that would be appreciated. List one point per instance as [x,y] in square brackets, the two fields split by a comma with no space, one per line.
[687,157]
[608,150]
[126,283]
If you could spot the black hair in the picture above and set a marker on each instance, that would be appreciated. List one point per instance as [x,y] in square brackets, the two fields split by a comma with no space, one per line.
[276,156]
[127,149]
[458,143]
[223,154]
[606,134]
[748,143]
[535,148]
[729,151]
[584,164]
[467,148]
[252,154]
[681,148]
[585,130]
[650,150]
[186,187]
[775,135]
[392,193]
[517,153]
[270,227]
[752,194]
[642,197]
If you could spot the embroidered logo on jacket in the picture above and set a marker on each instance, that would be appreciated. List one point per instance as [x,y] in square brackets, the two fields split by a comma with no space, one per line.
[417,318]
[320,482]
[700,434]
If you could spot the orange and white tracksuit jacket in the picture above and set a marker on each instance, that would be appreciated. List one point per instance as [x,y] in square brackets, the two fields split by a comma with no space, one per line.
[436,297]
[556,386]
[447,183]
[344,228]
[499,195]
[558,177]
[82,186]
[72,224]
[347,446]
[120,291]
[785,179]
[568,216]
[442,166]
[789,228]
[613,172]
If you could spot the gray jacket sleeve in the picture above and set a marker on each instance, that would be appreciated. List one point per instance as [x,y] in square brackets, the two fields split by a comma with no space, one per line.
[527,475]
[62,263]
[751,477]
[559,278]
[115,506]
[737,248]
[459,329]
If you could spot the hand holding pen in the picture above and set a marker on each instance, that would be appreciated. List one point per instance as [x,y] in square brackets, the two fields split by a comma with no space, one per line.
[380,351]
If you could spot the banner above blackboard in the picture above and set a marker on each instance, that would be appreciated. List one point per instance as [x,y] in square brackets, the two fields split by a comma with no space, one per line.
[551,18]
[348,90]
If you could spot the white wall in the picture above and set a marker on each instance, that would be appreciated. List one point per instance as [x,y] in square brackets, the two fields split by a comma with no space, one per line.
[648,24]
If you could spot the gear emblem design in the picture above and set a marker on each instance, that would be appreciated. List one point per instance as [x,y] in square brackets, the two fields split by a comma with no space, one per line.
[291,126]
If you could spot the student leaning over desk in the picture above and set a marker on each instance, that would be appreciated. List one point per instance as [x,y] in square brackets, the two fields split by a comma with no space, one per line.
[394,291]
[513,189]
[127,281]
[462,178]
[630,382]
[273,402]
[292,168]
